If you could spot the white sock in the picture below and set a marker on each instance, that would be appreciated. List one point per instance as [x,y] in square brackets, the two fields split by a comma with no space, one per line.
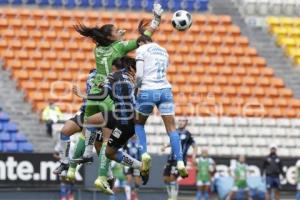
[88,151]
[174,190]
[127,191]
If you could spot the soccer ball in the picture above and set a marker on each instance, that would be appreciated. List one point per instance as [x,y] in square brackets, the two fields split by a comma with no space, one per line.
[182,20]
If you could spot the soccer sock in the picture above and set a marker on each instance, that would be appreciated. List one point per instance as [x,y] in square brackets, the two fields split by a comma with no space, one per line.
[80,146]
[90,136]
[104,162]
[176,145]
[206,195]
[199,195]
[65,144]
[63,191]
[141,134]
[127,160]
[168,186]
[127,191]
[174,190]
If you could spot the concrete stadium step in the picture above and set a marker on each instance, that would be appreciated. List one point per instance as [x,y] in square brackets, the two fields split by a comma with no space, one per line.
[264,43]
[20,112]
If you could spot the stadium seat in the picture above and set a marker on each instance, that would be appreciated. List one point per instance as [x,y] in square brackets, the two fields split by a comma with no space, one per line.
[4,118]
[11,128]
[25,147]
[4,137]
[10,147]
[19,137]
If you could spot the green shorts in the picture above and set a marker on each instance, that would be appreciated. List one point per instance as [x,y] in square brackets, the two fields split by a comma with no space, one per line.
[93,107]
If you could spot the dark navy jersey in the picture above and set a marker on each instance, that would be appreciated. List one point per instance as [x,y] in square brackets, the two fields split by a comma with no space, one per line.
[186,142]
[89,84]
[133,149]
[121,90]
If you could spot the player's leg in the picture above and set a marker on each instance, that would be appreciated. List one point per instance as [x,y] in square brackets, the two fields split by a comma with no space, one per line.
[167,111]
[277,188]
[174,185]
[144,107]
[137,183]
[93,123]
[128,183]
[70,127]
[199,190]
[247,194]
[63,191]
[206,187]
[167,174]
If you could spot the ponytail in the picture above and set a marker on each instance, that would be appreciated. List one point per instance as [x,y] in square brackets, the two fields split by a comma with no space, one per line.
[98,35]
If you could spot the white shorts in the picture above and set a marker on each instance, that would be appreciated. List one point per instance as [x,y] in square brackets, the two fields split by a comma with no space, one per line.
[201,183]
[235,189]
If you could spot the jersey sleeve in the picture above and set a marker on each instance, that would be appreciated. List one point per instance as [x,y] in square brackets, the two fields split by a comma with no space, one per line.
[191,140]
[140,54]
[298,163]
[126,46]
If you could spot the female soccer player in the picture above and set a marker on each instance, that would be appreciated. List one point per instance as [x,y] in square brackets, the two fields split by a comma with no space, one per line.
[120,87]
[72,126]
[109,46]
[152,61]
[205,167]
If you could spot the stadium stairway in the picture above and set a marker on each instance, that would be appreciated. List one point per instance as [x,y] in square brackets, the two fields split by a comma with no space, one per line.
[20,111]
[264,44]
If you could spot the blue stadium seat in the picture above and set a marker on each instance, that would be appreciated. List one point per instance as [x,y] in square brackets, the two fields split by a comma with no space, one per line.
[13,136]
[136,5]
[95,3]
[123,4]
[201,5]
[1,127]
[82,3]
[175,5]
[56,3]
[1,147]
[15,2]
[19,137]
[42,2]
[4,118]
[4,137]
[3,2]
[109,4]
[190,5]
[25,147]
[10,147]
[69,3]
[11,128]
[149,5]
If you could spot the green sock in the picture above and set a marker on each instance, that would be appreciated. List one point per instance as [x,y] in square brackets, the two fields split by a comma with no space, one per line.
[79,150]
[104,162]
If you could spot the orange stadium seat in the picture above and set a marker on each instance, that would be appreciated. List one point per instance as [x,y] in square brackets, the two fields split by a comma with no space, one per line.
[216,66]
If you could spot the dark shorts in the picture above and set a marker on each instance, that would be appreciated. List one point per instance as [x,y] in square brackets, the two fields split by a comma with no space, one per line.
[78,119]
[171,168]
[121,133]
[272,182]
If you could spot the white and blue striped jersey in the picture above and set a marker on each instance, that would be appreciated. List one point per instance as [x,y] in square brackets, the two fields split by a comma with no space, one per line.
[156,61]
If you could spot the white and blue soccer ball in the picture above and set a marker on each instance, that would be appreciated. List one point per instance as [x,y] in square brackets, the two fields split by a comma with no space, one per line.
[182,20]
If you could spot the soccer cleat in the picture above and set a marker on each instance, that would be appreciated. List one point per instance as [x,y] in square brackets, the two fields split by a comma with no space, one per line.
[102,184]
[146,165]
[71,174]
[111,181]
[82,160]
[62,167]
[182,170]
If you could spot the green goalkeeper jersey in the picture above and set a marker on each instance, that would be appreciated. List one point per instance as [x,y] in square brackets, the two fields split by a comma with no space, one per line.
[203,169]
[240,174]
